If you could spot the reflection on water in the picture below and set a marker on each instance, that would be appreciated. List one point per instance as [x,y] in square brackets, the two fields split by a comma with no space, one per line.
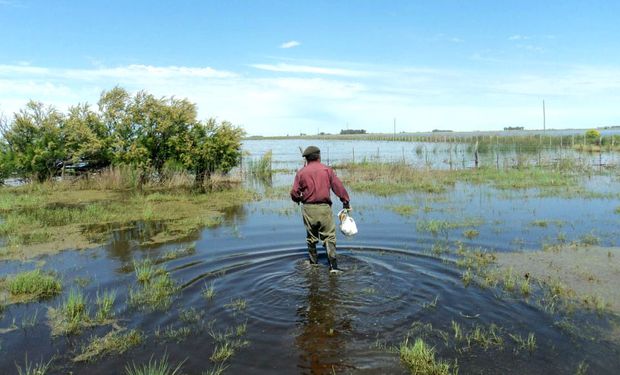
[320,341]
[301,319]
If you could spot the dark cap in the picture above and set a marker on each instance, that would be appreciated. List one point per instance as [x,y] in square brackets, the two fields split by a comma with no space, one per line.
[311,150]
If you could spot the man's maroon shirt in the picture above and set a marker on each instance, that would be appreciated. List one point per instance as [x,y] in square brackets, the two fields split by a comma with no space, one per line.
[313,182]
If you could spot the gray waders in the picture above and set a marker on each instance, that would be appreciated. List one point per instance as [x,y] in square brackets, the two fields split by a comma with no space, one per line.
[320,226]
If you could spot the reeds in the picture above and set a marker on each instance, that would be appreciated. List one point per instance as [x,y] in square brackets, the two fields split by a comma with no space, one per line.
[260,168]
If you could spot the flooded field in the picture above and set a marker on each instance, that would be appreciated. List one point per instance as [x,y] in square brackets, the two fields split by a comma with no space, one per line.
[239,297]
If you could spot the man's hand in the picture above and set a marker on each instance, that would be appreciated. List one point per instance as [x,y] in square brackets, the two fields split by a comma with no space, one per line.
[346,206]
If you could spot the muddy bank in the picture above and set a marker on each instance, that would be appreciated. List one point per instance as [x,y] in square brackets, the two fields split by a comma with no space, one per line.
[38,222]
[588,274]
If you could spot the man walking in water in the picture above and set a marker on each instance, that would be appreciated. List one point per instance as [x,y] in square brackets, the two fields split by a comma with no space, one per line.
[312,188]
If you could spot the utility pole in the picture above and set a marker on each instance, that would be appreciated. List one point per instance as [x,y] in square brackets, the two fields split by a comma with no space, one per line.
[544,118]
[394,127]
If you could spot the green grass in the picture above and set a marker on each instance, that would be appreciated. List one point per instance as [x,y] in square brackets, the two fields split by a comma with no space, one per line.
[71,316]
[178,253]
[486,338]
[589,239]
[144,269]
[467,277]
[33,285]
[436,227]
[458,332]
[540,223]
[582,368]
[173,334]
[51,217]
[518,178]
[154,367]
[403,209]
[394,178]
[217,370]
[192,315]
[525,287]
[105,304]
[260,168]
[237,304]
[222,352]
[155,294]
[113,343]
[471,233]
[30,368]
[420,359]
[208,291]
[528,343]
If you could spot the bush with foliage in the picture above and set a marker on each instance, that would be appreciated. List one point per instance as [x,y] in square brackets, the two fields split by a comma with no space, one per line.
[140,130]
[593,137]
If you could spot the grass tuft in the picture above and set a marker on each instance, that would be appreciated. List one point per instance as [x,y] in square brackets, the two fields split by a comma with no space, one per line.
[145,270]
[154,367]
[208,291]
[420,359]
[105,303]
[222,352]
[238,304]
[155,294]
[33,285]
[30,368]
[71,316]
[114,342]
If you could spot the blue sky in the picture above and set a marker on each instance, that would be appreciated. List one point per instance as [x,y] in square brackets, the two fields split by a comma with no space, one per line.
[286,67]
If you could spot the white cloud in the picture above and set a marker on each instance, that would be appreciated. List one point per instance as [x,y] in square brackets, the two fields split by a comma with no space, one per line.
[289,68]
[518,37]
[290,44]
[365,96]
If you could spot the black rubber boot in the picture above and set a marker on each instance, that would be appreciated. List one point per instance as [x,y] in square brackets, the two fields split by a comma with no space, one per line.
[312,255]
[331,257]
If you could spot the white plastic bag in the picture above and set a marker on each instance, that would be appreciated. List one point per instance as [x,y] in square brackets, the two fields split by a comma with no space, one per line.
[347,224]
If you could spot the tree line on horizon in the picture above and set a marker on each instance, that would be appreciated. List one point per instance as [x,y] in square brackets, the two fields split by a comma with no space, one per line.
[139,130]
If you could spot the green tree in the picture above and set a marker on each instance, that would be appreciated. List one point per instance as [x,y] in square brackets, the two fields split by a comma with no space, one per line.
[86,137]
[6,161]
[163,128]
[36,141]
[593,136]
[214,148]
[118,115]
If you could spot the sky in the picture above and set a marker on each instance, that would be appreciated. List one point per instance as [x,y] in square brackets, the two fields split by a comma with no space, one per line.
[290,67]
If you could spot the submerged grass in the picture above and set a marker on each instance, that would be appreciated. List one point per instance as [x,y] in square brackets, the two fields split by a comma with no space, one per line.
[154,367]
[115,342]
[33,368]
